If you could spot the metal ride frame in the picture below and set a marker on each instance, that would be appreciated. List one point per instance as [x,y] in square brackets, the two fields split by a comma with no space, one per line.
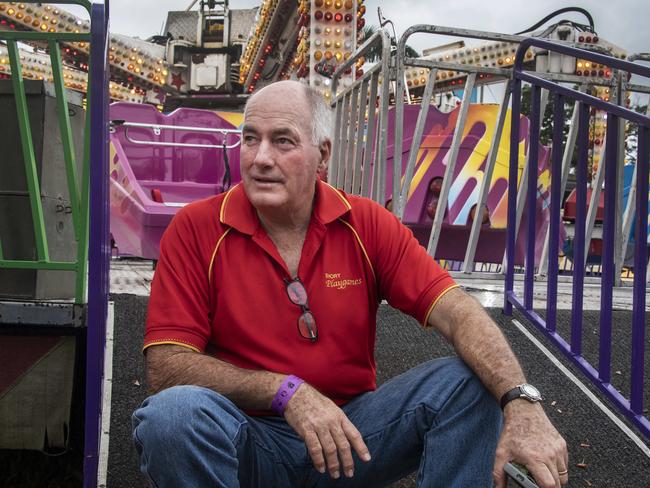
[632,408]
[89,208]
[355,167]
[358,169]
[349,159]
[157,129]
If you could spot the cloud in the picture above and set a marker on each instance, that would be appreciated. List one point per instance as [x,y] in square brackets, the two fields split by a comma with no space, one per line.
[624,25]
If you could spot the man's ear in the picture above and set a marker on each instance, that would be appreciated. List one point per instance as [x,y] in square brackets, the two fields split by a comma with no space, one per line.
[325,149]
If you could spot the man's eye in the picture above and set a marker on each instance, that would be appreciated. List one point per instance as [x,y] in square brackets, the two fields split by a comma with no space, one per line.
[284,141]
[249,140]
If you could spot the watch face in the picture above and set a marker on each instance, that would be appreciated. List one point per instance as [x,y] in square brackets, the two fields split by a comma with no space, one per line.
[530,391]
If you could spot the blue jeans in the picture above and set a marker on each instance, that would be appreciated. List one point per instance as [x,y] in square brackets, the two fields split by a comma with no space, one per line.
[437,416]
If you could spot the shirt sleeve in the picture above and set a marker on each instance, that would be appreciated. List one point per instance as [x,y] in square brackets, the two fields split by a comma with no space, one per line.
[408,278]
[178,311]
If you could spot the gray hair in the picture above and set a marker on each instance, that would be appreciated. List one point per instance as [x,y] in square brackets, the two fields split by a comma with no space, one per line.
[321,116]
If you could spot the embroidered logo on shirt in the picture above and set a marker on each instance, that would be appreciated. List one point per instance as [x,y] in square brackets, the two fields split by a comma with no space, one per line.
[334,280]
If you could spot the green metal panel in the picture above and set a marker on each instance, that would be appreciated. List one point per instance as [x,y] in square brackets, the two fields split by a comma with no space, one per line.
[45,36]
[53,265]
[28,152]
[82,250]
[78,189]
[66,133]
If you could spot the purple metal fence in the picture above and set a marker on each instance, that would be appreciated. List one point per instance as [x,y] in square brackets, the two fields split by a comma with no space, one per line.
[631,407]
[98,246]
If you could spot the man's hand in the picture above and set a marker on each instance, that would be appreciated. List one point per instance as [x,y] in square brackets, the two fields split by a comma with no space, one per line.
[326,430]
[529,438]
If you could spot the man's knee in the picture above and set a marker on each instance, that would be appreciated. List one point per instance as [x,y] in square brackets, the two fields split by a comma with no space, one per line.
[183,413]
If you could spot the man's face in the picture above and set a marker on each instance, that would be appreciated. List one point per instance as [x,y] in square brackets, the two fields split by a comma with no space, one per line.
[279,161]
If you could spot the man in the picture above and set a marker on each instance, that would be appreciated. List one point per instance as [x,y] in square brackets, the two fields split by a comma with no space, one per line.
[264,301]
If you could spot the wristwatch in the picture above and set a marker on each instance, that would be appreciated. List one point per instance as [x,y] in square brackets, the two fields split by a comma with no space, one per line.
[525,391]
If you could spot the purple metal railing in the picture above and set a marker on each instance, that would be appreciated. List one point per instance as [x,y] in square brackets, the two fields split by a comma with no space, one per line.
[632,408]
[99,249]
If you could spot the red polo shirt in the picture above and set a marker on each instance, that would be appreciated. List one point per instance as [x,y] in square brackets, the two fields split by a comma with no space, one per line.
[219,288]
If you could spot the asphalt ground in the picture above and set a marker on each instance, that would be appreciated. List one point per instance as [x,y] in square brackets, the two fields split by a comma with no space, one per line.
[600,454]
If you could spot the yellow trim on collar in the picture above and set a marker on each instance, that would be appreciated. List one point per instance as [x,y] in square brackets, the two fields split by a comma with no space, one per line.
[340,195]
[222,212]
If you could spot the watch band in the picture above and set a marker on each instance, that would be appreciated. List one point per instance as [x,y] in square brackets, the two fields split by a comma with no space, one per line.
[510,395]
[519,392]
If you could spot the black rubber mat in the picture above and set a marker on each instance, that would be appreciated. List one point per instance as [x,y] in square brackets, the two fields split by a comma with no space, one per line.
[601,455]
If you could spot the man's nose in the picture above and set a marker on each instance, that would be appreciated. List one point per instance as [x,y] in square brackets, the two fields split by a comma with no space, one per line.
[264,154]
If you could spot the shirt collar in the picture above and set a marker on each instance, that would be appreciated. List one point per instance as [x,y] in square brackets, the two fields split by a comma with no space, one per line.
[238,212]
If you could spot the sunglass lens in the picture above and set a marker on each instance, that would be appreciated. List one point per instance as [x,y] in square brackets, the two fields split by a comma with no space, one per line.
[307,326]
[297,293]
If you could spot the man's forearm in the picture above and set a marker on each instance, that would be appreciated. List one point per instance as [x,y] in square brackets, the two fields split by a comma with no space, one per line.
[169,365]
[478,341]
[528,436]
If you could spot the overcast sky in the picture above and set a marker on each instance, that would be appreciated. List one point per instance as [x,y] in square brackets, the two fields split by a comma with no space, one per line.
[623,22]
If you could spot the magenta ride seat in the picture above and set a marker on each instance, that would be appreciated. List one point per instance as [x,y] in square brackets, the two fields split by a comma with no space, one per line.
[149,182]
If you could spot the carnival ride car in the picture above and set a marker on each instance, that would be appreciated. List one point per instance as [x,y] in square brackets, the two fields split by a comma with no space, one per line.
[159,163]
[424,190]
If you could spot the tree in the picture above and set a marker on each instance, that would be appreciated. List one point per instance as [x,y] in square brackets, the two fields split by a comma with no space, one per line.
[632,136]
[374,54]
[546,129]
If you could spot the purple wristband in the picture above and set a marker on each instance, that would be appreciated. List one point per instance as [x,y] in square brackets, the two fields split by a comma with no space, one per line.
[284,394]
